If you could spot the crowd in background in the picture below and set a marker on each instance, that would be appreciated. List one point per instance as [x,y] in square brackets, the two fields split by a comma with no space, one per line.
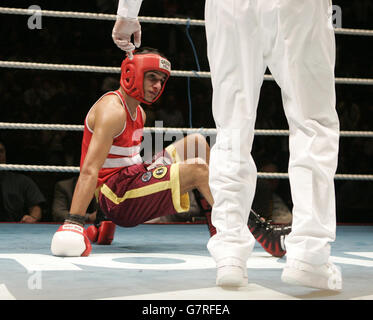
[64,97]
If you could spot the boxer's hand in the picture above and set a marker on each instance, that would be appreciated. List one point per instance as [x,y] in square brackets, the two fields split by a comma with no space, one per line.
[70,240]
[123,29]
[104,234]
[28,219]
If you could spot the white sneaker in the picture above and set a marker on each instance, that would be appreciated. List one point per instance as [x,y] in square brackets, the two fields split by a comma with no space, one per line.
[327,276]
[231,276]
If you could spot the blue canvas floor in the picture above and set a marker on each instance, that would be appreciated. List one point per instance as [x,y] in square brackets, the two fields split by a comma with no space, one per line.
[163,262]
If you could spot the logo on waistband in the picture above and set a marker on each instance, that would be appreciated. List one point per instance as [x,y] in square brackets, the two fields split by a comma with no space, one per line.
[146,176]
[159,172]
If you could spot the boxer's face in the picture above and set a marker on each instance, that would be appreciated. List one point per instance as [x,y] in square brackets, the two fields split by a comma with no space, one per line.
[153,83]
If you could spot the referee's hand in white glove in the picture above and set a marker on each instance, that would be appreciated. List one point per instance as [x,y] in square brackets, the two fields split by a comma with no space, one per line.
[123,30]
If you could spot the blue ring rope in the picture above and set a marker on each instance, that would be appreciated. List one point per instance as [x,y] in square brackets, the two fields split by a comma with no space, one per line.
[188,78]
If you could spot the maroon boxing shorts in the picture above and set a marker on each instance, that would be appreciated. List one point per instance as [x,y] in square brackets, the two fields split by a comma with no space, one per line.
[143,192]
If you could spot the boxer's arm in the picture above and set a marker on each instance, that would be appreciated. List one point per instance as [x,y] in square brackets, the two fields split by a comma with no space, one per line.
[143,115]
[71,239]
[109,121]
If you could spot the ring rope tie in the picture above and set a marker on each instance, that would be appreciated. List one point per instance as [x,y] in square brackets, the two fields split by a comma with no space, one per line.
[188,78]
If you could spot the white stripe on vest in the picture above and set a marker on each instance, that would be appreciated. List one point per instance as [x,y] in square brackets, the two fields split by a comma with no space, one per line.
[124,151]
[122,162]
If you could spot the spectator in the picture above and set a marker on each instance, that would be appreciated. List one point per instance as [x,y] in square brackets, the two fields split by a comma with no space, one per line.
[63,194]
[20,198]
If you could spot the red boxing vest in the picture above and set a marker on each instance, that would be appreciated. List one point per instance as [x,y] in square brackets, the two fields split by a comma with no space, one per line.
[126,147]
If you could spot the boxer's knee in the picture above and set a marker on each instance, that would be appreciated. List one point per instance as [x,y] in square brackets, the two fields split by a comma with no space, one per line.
[201,171]
[198,139]
[200,164]
[195,146]
[193,173]
[201,146]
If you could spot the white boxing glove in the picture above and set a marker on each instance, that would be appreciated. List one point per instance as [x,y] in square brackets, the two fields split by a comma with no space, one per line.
[70,240]
[123,29]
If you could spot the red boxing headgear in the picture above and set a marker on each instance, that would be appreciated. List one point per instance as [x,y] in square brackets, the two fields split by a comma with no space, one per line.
[132,77]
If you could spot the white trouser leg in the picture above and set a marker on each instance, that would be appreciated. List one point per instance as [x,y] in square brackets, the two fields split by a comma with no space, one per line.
[237,70]
[302,62]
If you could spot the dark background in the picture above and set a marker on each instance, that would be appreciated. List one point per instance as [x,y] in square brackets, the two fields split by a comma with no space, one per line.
[65,97]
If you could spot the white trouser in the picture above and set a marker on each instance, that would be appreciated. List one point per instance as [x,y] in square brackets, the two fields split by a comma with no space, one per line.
[295,39]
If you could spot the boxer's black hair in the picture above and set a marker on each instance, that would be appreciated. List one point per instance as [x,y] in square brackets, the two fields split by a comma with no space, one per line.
[144,50]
